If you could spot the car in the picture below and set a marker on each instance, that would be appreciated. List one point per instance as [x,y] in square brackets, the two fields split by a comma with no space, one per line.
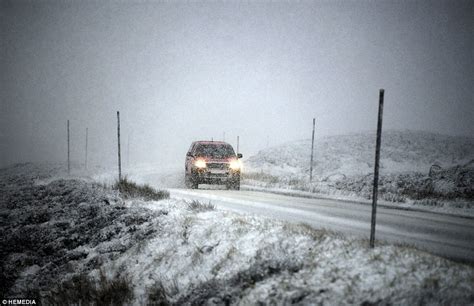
[212,162]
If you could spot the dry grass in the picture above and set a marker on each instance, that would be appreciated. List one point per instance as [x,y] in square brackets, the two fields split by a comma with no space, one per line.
[197,206]
[82,290]
[129,189]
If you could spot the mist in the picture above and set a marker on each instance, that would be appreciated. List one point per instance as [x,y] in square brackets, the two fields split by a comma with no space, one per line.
[180,72]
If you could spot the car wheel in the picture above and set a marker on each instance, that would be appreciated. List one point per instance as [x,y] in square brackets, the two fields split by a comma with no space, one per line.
[190,183]
[235,185]
[187,181]
[194,182]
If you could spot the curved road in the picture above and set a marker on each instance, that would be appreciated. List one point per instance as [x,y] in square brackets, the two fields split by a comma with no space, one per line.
[445,235]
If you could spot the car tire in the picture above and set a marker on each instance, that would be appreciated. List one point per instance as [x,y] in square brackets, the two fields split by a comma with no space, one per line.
[194,182]
[234,185]
[187,181]
[190,183]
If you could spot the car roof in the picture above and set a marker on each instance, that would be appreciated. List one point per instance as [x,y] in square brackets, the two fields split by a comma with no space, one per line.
[210,142]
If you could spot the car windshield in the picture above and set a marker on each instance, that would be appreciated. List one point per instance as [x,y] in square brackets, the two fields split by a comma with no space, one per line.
[214,151]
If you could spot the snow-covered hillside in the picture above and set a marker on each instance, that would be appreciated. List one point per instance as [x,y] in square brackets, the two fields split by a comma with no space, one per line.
[343,165]
[68,240]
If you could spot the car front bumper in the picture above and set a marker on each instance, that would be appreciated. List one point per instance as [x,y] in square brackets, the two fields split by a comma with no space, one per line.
[206,176]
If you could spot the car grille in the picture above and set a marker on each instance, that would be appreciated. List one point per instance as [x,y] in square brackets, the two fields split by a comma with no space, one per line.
[220,166]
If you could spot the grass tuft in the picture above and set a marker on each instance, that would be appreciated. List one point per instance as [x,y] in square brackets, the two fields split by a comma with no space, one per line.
[129,189]
[197,206]
[158,296]
[83,290]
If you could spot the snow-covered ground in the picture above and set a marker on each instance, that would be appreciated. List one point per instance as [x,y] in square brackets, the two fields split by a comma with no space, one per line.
[419,169]
[67,239]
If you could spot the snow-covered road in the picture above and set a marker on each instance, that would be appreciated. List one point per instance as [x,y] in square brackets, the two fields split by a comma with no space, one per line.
[441,234]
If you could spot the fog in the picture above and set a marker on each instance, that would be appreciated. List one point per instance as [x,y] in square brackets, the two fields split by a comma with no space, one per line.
[180,72]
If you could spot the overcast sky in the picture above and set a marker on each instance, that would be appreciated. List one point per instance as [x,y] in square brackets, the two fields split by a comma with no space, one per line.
[180,71]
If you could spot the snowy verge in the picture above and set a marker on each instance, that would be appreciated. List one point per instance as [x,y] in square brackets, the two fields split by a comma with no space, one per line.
[419,170]
[73,241]
[460,211]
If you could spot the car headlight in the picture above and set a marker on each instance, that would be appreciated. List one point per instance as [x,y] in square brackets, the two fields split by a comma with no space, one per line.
[200,163]
[235,164]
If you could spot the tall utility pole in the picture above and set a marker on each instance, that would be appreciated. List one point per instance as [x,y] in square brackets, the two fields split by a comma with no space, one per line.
[128,151]
[68,152]
[85,161]
[237,144]
[312,152]
[118,138]
[376,169]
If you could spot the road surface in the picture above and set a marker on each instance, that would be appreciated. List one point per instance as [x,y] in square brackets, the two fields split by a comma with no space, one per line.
[441,234]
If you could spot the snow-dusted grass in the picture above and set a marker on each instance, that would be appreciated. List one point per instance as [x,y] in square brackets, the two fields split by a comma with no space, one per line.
[129,189]
[84,290]
[74,241]
[417,168]
[218,256]
[199,207]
